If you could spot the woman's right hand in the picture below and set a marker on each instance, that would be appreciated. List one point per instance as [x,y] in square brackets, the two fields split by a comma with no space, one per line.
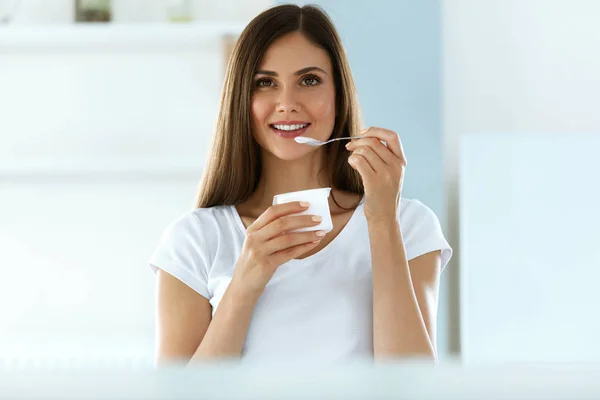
[269,244]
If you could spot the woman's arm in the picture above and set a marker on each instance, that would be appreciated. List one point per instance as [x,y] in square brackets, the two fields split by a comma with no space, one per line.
[185,329]
[404,304]
[227,331]
[185,332]
[404,295]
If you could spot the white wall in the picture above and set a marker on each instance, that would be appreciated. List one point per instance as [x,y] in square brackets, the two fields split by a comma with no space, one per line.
[75,283]
[32,12]
[148,103]
[529,220]
[101,147]
[524,66]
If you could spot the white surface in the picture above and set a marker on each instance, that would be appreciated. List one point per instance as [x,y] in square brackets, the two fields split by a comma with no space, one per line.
[114,105]
[516,66]
[85,167]
[32,12]
[75,281]
[530,268]
[519,66]
[76,352]
[100,150]
[133,37]
[357,381]
[103,132]
[136,88]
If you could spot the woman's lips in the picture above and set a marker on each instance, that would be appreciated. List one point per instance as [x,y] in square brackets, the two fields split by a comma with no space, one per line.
[289,134]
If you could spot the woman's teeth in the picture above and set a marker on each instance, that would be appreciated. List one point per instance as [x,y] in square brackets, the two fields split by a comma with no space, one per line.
[290,127]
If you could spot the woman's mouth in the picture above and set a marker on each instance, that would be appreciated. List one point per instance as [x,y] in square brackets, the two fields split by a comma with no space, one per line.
[289,130]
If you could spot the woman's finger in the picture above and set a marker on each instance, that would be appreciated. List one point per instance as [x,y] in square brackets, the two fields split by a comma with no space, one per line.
[293,239]
[390,137]
[374,160]
[275,212]
[360,163]
[374,144]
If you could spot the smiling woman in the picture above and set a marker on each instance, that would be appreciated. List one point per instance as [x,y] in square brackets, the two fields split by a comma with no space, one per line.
[240,277]
[289,68]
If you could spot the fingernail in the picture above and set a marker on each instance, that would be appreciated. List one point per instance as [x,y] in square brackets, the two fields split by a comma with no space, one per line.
[316,218]
[304,204]
[320,233]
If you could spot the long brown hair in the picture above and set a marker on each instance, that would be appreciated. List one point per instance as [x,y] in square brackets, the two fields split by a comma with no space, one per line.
[233,170]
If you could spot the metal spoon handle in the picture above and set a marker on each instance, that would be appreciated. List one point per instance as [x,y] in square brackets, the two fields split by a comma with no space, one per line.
[344,138]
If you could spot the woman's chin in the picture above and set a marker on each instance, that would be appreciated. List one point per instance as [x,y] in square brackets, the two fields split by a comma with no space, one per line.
[292,153]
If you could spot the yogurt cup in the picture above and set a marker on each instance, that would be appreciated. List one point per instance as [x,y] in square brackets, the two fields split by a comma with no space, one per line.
[319,205]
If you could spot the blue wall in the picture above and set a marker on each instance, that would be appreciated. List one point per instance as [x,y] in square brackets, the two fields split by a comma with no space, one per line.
[395,54]
[394,47]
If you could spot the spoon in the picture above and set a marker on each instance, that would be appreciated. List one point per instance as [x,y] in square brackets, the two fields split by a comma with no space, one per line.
[314,142]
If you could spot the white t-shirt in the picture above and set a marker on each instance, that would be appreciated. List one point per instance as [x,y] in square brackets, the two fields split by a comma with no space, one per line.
[317,308]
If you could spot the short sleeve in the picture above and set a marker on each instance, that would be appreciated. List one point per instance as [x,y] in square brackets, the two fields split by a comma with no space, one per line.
[422,232]
[181,253]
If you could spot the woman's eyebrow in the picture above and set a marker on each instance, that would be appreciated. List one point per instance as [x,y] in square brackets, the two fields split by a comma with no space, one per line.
[308,69]
[299,72]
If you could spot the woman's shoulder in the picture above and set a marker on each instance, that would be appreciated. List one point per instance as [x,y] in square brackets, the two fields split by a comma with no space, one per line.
[200,231]
[415,216]
[421,230]
[412,207]
[214,213]
[200,220]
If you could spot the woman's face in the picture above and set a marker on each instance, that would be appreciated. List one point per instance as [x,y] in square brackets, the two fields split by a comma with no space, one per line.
[293,95]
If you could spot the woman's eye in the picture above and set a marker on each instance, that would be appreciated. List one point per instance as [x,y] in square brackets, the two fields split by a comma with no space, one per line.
[264,83]
[311,81]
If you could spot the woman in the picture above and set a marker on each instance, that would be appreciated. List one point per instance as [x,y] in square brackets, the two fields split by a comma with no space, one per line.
[233,281]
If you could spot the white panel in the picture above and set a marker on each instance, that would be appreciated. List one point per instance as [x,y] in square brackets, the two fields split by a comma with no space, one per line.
[31,12]
[74,278]
[119,105]
[134,37]
[529,234]
[516,66]
[103,133]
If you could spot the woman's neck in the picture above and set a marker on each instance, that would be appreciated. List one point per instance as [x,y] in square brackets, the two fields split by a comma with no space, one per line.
[282,176]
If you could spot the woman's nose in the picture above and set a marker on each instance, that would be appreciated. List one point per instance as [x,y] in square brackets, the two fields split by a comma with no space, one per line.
[287,101]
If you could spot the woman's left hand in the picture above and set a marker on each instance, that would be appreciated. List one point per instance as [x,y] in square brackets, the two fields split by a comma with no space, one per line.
[382,170]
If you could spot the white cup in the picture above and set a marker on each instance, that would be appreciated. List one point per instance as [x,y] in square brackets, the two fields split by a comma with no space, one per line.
[319,205]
